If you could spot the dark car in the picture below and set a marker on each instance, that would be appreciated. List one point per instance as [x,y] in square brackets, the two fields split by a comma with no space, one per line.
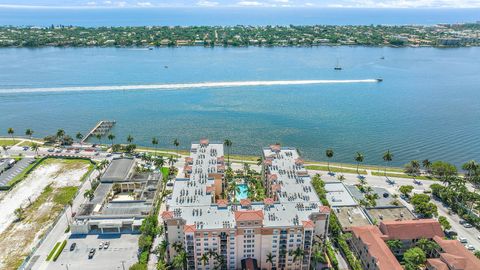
[91,253]
[72,246]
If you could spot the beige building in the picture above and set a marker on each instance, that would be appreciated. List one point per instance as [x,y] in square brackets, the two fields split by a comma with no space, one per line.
[244,235]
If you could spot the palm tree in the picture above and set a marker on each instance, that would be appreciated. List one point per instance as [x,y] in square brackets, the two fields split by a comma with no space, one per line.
[427,246]
[89,194]
[297,254]
[111,137]
[159,162]
[5,149]
[387,157]
[60,134]
[171,160]
[99,138]
[10,132]
[180,260]
[470,167]
[204,259]
[427,165]
[129,139]
[329,154]
[176,143]
[79,137]
[234,188]
[220,263]
[359,158]
[270,259]
[29,133]
[154,143]
[34,147]
[177,246]
[162,249]
[228,144]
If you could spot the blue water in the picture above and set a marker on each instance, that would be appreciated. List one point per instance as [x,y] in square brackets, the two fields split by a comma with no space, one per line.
[232,16]
[428,105]
[243,194]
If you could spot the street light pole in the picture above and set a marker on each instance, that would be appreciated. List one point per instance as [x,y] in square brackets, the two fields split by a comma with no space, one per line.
[123,265]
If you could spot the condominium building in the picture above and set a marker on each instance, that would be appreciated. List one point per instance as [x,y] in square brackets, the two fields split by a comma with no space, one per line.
[369,243]
[245,234]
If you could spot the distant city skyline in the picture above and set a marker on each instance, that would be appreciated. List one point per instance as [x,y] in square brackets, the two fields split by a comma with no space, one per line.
[240,3]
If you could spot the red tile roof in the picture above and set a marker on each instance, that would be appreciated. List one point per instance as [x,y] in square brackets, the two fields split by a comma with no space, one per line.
[299,161]
[268,201]
[221,159]
[456,256]
[372,237]
[324,209]
[222,202]
[167,215]
[411,229]
[245,202]
[272,177]
[275,147]
[436,264]
[248,215]
[189,228]
[308,224]
[188,159]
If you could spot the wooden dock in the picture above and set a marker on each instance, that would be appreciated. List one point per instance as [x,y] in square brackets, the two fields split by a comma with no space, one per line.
[102,128]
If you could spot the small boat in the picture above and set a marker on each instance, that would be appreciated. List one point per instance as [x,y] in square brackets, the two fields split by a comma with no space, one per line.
[150,48]
[383,57]
[165,66]
[379,80]
[337,67]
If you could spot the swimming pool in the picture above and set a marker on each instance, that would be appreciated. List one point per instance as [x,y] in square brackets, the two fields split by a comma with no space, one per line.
[243,194]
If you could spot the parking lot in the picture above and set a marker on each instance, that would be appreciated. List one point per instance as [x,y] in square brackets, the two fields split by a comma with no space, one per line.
[17,168]
[121,253]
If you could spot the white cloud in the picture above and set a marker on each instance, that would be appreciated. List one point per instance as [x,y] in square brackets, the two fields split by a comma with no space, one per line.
[144,4]
[405,4]
[204,3]
[92,3]
[250,4]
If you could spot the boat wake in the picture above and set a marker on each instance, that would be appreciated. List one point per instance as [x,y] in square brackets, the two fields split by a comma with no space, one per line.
[179,86]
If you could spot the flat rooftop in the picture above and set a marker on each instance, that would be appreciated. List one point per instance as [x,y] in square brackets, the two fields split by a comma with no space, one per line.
[385,199]
[338,195]
[351,216]
[118,170]
[390,214]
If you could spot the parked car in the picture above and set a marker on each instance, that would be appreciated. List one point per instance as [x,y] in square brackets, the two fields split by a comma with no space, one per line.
[470,247]
[462,222]
[25,148]
[468,225]
[51,150]
[100,246]
[462,240]
[106,244]
[91,253]
[72,246]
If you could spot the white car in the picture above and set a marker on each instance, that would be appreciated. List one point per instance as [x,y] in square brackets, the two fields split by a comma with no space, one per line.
[470,247]
[478,236]
[462,240]
[100,246]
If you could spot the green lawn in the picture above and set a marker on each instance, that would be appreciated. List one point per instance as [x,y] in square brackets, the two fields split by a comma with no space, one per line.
[335,169]
[8,142]
[402,175]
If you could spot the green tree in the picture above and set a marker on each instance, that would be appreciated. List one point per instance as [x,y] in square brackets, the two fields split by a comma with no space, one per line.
[99,138]
[412,168]
[79,137]
[11,132]
[394,244]
[180,260]
[329,153]
[444,171]
[406,190]
[35,147]
[423,206]
[428,246]
[444,223]
[111,137]
[427,165]
[88,194]
[414,258]
[270,259]
[228,144]
[154,144]
[129,139]
[19,213]
[470,167]
[176,143]
[138,266]
[477,254]
[359,159]
[204,259]
[29,133]
[387,157]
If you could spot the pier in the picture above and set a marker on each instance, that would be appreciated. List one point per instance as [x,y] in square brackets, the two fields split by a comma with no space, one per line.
[102,128]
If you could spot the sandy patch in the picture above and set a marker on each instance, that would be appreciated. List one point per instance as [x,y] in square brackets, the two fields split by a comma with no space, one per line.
[56,172]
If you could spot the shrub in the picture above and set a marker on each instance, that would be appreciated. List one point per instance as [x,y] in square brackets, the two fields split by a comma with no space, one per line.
[52,251]
[59,250]
[138,266]
[143,259]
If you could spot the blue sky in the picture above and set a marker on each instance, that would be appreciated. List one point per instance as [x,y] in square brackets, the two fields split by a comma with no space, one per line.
[241,3]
